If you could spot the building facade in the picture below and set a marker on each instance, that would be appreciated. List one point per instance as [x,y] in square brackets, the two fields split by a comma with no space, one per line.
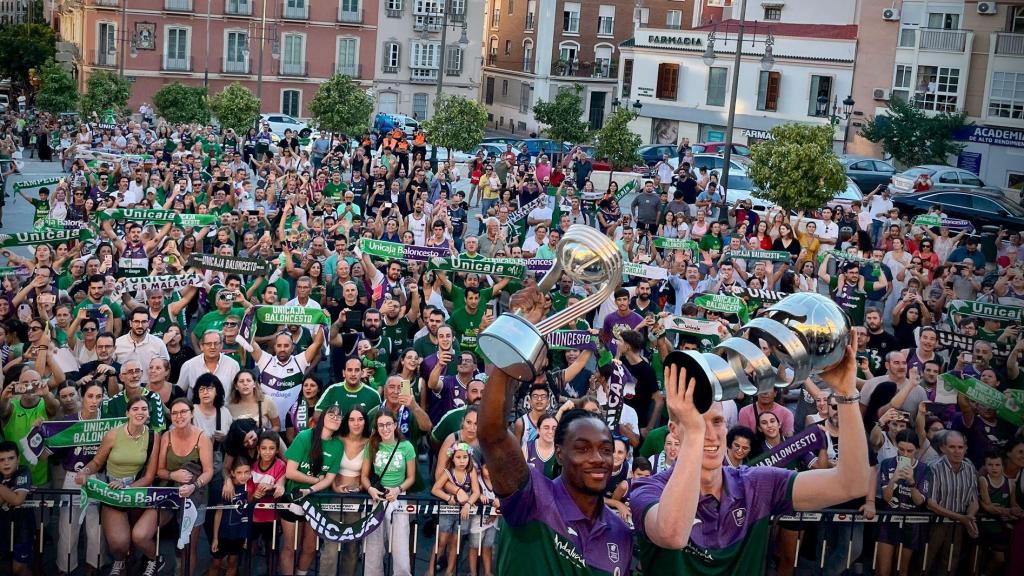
[533,48]
[14,11]
[409,53]
[282,50]
[685,93]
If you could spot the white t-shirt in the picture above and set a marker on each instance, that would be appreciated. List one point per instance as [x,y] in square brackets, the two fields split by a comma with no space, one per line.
[539,213]
[877,205]
[418,229]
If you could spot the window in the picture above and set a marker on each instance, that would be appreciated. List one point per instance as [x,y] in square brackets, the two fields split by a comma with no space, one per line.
[419,105]
[901,82]
[531,14]
[184,5]
[943,20]
[504,87]
[820,86]
[716,86]
[525,97]
[394,8]
[291,102]
[508,47]
[293,56]
[392,57]
[668,81]
[106,44]
[1015,19]
[1006,98]
[235,61]
[511,6]
[176,49]
[489,90]
[641,16]
[527,55]
[568,55]
[296,9]
[937,88]
[768,91]
[910,19]
[458,11]
[571,18]
[773,13]
[348,57]
[496,16]
[674,19]
[425,55]
[453,60]
[606,20]
[350,11]
[492,51]
[240,7]
[627,77]
[602,61]
[969,179]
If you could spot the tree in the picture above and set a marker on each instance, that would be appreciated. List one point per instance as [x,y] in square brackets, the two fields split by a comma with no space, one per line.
[104,91]
[797,169]
[181,104]
[342,106]
[616,142]
[25,46]
[564,116]
[457,124]
[912,137]
[57,90]
[236,107]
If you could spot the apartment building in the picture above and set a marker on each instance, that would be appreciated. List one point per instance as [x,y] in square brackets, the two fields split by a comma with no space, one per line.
[414,37]
[533,48]
[282,50]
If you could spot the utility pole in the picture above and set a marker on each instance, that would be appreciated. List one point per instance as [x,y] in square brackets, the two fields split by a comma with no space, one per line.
[727,156]
[121,51]
[263,39]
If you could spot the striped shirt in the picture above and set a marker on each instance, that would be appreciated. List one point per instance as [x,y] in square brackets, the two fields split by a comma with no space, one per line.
[953,490]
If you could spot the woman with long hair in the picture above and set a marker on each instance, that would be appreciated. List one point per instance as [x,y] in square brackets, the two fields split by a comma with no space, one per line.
[313,460]
[300,416]
[246,401]
[391,460]
[129,456]
[761,233]
[355,435]
[786,241]
[540,452]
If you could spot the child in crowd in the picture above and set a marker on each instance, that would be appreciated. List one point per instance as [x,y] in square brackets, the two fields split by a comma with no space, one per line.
[483,528]
[457,485]
[266,482]
[16,523]
[997,502]
[231,526]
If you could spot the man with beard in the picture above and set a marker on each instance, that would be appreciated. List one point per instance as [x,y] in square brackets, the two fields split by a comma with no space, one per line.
[469,320]
[104,369]
[457,294]
[446,352]
[138,343]
[282,372]
[927,342]
[451,421]
[446,392]
[398,327]
[22,405]
[908,393]
[350,392]
[880,342]
[427,344]
[380,283]
[101,307]
[117,405]
[166,311]
[641,302]
[371,330]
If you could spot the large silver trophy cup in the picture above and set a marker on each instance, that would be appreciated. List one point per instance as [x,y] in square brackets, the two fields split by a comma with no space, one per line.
[517,347]
[807,332]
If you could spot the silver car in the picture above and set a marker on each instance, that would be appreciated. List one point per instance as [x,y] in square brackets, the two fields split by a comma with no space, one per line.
[942,177]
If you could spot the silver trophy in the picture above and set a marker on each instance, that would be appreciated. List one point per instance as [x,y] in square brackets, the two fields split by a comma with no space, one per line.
[517,347]
[807,331]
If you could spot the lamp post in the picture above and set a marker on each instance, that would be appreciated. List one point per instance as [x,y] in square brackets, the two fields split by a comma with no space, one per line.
[259,31]
[463,41]
[837,114]
[767,62]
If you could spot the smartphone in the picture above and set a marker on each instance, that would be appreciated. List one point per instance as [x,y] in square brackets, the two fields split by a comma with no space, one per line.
[406,388]
[108,260]
[170,259]
[903,463]
[47,298]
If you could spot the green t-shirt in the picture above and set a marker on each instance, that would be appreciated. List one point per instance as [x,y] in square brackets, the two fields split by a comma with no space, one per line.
[333,450]
[214,320]
[42,209]
[115,310]
[333,190]
[284,292]
[18,426]
[458,296]
[399,334]
[449,424]
[394,475]
[337,394]
[466,326]
[117,407]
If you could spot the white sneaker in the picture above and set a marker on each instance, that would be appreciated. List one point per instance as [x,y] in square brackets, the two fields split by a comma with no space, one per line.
[117,569]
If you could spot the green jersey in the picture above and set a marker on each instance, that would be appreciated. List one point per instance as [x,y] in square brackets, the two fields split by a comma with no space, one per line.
[339,394]
[333,449]
[466,326]
[117,407]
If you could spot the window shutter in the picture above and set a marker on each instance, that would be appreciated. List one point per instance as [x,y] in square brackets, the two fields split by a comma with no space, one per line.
[668,81]
[762,90]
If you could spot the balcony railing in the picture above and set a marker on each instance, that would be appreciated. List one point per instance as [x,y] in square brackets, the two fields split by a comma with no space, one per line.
[389,69]
[423,76]
[235,67]
[108,3]
[393,12]
[176,64]
[577,69]
[428,23]
[300,69]
[940,40]
[453,71]
[236,8]
[457,17]
[296,12]
[178,5]
[1009,44]
[350,16]
[350,70]
[528,65]
[103,58]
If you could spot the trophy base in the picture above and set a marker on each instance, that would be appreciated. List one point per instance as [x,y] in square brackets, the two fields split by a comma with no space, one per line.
[514,346]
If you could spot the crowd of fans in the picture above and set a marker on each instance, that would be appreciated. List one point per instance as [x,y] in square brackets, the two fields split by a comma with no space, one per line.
[382,401]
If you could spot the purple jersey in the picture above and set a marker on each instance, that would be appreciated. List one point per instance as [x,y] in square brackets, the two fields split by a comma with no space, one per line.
[615,323]
[451,395]
[901,496]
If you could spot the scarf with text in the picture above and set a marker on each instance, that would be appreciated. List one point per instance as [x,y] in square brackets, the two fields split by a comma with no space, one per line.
[230,264]
[95,490]
[55,434]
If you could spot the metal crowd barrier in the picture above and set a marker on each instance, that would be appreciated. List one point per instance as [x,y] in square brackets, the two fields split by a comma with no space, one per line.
[46,505]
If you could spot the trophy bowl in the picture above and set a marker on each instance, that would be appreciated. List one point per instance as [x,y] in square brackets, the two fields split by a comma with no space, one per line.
[822,325]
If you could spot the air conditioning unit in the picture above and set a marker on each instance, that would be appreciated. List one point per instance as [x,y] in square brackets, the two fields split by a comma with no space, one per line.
[890,14]
[880,94]
[987,8]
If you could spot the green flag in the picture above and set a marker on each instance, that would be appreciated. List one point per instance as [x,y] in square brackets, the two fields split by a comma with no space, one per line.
[724,304]
[1008,406]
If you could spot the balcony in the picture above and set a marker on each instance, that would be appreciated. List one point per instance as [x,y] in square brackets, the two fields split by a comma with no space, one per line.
[393,12]
[389,69]
[1009,44]
[178,5]
[428,23]
[295,12]
[107,3]
[457,17]
[103,58]
[350,16]
[577,69]
[176,64]
[453,71]
[423,76]
[236,8]
[295,69]
[350,70]
[235,67]
[492,59]
[940,40]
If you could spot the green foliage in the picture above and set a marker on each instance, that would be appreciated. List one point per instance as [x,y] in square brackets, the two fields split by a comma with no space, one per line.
[912,137]
[104,91]
[798,170]
[24,46]
[235,107]
[57,91]
[457,124]
[178,103]
[564,116]
[617,142]
[340,105]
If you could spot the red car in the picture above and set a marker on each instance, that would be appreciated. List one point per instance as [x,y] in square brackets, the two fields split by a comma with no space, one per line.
[719,148]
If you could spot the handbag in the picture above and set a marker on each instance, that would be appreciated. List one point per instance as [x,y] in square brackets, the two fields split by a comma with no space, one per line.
[375,479]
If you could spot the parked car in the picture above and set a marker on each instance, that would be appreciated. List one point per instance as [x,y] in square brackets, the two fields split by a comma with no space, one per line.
[280,122]
[490,149]
[653,154]
[867,173]
[982,207]
[387,122]
[713,162]
[502,140]
[741,188]
[718,148]
[942,177]
[537,146]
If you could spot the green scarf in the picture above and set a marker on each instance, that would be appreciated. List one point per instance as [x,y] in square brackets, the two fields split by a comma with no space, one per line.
[1008,406]
[43,237]
[724,304]
[487,266]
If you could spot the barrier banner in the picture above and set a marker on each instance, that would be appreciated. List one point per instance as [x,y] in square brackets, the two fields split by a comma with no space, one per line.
[1008,406]
[708,333]
[961,343]
[54,434]
[331,530]
[571,340]
[165,282]
[43,237]
[95,490]
[985,310]
[229,264]
[809,441]
[399,251]
[724,304]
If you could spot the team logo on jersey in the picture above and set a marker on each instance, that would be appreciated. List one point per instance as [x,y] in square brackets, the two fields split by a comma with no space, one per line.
[739,516]
[613,552]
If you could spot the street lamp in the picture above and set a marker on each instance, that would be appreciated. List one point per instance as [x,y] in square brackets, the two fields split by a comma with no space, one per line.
[637,105]
[837,114]
[463,41]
